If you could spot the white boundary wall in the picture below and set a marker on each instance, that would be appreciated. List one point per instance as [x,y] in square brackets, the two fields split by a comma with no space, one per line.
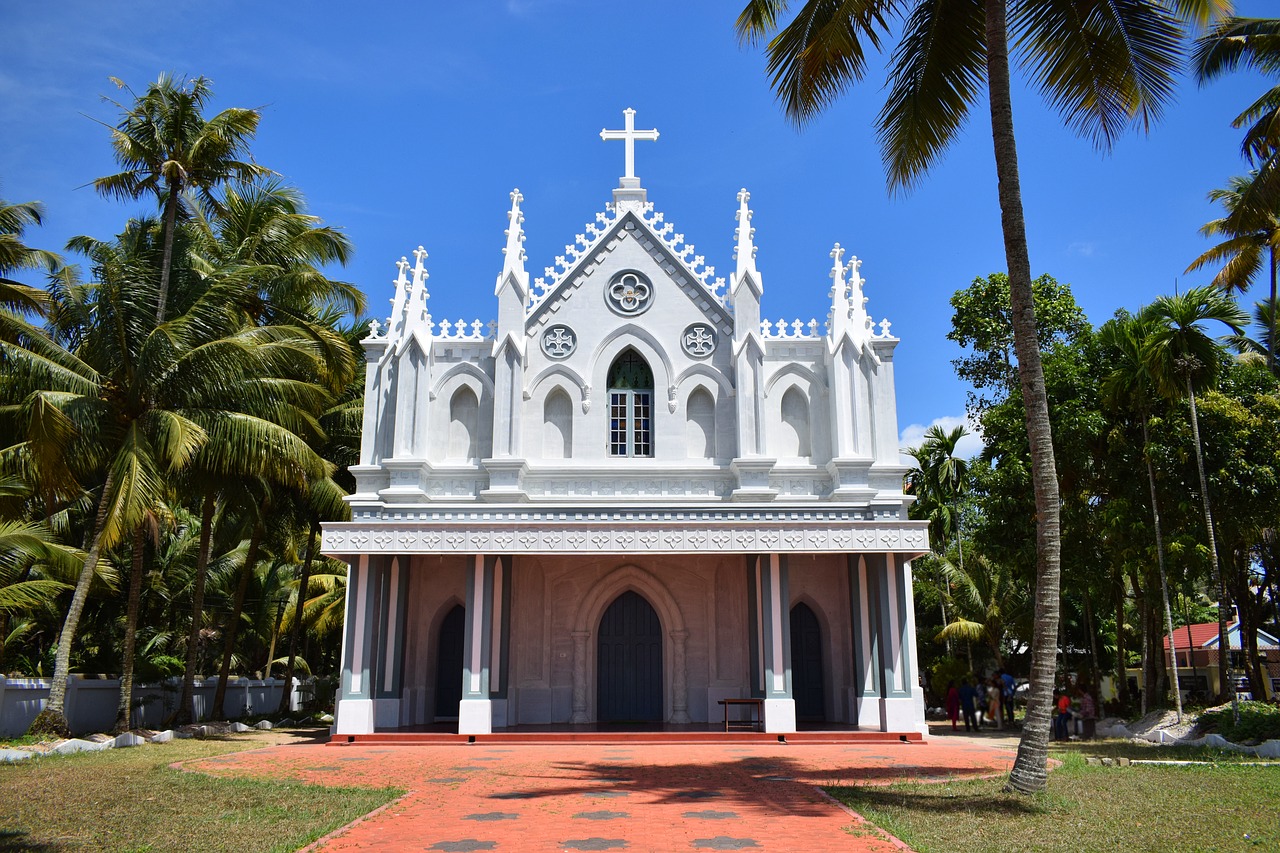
[91,702]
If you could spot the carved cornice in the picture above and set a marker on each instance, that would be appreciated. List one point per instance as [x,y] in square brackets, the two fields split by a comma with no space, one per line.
[746,531]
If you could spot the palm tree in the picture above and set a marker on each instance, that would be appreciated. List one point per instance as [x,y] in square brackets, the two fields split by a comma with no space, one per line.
[1129,384]
[1181,358]
[1262,347]
[1248,43]
[16,255]
[1101,70]
[988,599]
[1249,234]
[169,149]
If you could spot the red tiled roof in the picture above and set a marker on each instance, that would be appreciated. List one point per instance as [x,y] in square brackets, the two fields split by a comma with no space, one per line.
[1200,634]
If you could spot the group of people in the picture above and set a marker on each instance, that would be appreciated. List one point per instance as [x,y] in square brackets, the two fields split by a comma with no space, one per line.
[982,701]
[1084,708]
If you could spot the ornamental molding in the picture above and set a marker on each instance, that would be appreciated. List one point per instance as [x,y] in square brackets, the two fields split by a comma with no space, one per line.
[530,532]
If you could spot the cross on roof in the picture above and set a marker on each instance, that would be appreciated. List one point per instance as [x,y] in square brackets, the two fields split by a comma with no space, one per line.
[629,135]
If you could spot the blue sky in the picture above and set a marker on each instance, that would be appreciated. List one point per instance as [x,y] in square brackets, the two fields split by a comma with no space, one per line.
[410,123]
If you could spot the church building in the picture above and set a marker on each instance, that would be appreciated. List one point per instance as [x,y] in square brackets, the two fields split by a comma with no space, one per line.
[629,498]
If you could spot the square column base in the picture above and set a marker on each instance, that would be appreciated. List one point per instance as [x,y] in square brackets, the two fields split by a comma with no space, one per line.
[386,713]
[903,715]
[475,717]
[353,717]
[869,714]
[780,715]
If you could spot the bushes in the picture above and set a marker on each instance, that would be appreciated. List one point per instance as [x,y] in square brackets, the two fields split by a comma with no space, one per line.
[1258,721]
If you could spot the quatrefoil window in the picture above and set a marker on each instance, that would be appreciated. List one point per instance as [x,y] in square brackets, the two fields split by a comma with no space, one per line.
[629,293]
[699,340]
[559,342]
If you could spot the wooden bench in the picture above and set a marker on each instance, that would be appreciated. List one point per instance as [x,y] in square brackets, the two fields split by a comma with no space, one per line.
[756,723]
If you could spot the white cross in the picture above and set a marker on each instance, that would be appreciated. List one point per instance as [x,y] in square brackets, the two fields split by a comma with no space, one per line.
[629,136]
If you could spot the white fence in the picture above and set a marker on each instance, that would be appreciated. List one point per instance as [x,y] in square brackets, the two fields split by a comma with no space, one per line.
[91,702]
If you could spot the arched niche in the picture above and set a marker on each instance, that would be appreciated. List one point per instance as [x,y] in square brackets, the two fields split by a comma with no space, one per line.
[700,424]
[795,438]
[464,425]
[557,426]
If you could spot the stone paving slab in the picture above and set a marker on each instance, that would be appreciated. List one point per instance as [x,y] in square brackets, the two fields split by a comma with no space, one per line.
[582,797]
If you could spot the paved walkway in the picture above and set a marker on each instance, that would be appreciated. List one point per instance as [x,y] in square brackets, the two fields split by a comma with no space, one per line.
[613,797]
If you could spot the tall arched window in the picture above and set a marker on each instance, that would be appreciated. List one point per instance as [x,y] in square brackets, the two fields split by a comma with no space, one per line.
[464,425]
[630,406]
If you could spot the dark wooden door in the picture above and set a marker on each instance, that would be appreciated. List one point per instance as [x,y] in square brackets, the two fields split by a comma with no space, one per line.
[449,662]
[629,663]
[806,664]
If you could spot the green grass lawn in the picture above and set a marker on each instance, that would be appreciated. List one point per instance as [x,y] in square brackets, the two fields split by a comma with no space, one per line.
[131,800]
[1223,806]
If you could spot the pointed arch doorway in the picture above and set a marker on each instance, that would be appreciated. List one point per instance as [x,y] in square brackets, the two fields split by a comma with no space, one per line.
[806,665]
[449,650]
[629,662]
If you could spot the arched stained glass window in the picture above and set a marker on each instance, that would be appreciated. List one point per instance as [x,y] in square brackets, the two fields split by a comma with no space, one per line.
[630,406]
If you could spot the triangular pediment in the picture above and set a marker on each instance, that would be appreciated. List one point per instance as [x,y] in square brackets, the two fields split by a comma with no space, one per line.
[669,257]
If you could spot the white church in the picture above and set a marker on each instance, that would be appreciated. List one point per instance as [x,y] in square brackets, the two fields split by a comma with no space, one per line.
[629,499]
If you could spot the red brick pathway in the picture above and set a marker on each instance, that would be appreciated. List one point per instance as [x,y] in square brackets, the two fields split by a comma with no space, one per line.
[613,797]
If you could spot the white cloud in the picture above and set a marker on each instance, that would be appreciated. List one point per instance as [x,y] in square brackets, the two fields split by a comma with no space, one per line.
[968,447]
[1084,248]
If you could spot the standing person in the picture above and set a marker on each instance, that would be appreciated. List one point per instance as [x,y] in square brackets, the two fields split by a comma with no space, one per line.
[1009,687]
[953,704]
[1062,717]
[994,690]
[968,695]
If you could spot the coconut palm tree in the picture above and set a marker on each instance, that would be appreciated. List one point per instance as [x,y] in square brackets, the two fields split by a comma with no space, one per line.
[1182,358]
[141,398]
[1249,236]
[1129,386]
[1102,70]
[170,150]
[988,599]
[1261,347]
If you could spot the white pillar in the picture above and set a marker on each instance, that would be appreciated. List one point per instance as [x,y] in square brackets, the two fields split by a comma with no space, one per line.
[775,633]
[679,679]
[475,712]
[580,678]
[354,713]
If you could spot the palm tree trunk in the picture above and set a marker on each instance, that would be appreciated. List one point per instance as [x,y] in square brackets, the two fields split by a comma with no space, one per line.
[1271,332]
[1227,687]
[1122,656]
[271,647]
[170,225]
[124,709]
[186,703]
[53,720]
[1030,768]
[1164,579]
[296,628]
[237,608]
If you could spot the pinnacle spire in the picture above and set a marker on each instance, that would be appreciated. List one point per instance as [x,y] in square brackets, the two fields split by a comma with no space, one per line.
[839,294]
[745,253]
[513,252]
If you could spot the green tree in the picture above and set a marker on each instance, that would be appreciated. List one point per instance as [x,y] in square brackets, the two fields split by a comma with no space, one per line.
[170,150]
[1182,358]
[1129,386]
[1101,70]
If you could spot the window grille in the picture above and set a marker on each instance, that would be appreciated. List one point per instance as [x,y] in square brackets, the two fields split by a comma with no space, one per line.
[630,406]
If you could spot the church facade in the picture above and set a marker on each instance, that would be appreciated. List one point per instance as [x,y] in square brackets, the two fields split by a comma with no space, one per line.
[628,498]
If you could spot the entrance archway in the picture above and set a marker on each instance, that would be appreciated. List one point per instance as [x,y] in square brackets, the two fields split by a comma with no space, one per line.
[629,662]
[806,665]
[449,648]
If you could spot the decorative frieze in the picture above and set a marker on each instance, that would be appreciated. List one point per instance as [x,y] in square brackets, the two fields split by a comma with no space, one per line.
[516,532]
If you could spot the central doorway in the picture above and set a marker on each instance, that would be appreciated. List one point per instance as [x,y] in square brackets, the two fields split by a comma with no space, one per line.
[629,662]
